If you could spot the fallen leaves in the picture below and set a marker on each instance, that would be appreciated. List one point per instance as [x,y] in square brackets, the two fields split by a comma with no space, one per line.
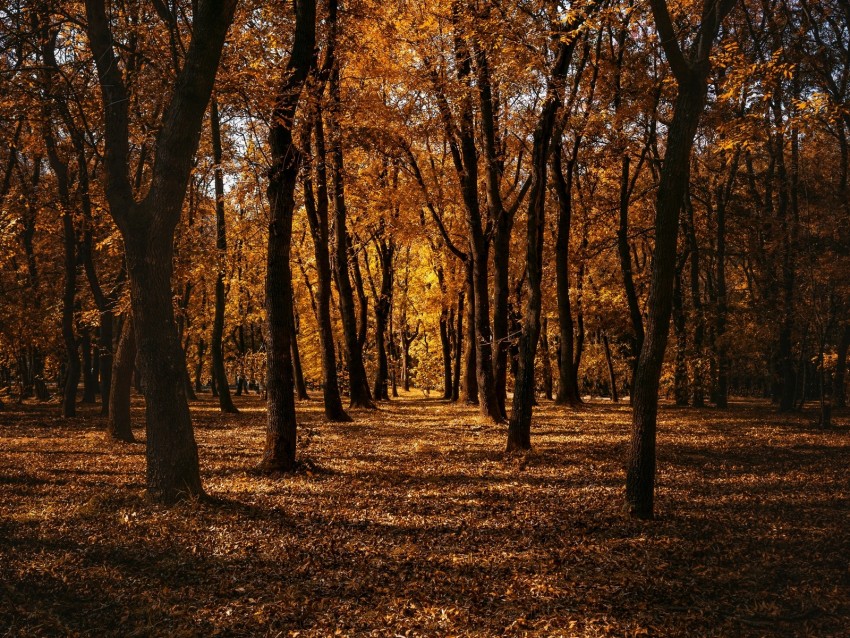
[411,523]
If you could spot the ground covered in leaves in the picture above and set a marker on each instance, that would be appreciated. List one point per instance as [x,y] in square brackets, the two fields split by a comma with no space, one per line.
[413,522]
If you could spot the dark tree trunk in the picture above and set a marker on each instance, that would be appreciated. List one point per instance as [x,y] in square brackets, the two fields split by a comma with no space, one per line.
[172,454]
[148,229]
[470,377]
[446,348]
[458,347]
[568,392]
[697,383]
[547,362]
[691,75]
[383,308]
[225,401]
[200,351]
[612,379]
[640,470]
[297,370]
[88,359]
[118,424]
[279,453]
[72,357]
[624,253]
[519,426]
[317,217]
[357,380]
[680,374]
[106,347]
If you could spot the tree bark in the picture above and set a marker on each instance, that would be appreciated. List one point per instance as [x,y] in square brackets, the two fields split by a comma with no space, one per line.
[691,76]
[446,348]
[148,230]
[317,218]
[225,402]
[119,424]
[358,382]
[279,453]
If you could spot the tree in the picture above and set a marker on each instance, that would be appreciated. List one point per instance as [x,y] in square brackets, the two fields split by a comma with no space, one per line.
[147,227]
[691,68]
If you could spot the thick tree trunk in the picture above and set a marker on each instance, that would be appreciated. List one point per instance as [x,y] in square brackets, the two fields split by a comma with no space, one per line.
[118,424]
[225,402]
[279,452]
[172,454]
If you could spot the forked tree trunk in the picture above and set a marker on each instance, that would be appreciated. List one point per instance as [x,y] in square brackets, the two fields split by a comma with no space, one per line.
[148,229]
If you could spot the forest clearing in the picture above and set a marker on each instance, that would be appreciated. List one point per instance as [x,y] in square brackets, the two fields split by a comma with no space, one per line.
[413,522]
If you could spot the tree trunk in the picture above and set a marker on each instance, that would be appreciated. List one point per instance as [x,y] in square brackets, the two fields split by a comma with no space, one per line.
[225,401]
[358,382]
[317,217]
[88,364]
[624,253]
[72,357]
[458,347]
[680,374]
[200,351]
[568,392]
[297,370]
[279,453]
[612,379]
[547,362]
[446,348]
[106,347]
[640,470]
[118,424]
[470,378]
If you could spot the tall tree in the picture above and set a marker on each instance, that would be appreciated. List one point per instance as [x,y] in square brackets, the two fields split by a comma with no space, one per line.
[691,68]
[279,452]
[147,226]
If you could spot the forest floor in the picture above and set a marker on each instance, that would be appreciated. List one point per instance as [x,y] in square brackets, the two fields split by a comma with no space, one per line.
[413,522]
